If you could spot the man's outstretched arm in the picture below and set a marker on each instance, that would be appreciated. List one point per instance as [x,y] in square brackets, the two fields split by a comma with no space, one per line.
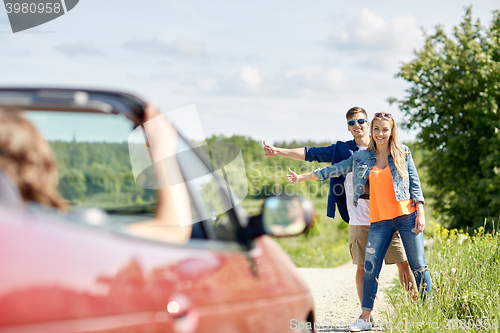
[295,153]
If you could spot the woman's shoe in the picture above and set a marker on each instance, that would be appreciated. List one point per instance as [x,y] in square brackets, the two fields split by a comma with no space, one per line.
[360,325]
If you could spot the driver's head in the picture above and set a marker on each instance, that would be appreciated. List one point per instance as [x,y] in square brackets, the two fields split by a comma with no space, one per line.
[28,160]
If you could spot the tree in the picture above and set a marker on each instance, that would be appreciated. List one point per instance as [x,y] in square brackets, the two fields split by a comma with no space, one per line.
[453,98]
[72,184]
[102,179]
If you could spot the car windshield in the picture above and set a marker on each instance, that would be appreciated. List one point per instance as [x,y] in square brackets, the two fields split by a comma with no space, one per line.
[92,154]
[103,162]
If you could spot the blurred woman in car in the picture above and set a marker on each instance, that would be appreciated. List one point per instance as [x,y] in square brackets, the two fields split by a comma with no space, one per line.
[26,161]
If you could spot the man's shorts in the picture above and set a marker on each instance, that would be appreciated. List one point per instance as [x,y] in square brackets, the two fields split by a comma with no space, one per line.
[357,245]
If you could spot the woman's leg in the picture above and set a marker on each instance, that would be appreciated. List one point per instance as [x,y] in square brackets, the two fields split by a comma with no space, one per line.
[379,238]
[414,248]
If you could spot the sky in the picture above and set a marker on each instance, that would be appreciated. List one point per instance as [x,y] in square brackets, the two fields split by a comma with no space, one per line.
[271,70]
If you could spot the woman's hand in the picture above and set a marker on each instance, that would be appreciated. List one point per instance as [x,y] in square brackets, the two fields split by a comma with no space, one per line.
[293,178]
[420,220]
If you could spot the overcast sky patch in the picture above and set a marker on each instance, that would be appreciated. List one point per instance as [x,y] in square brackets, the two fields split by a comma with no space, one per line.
[308,80]
[239,62]
[78,49]
[178,49]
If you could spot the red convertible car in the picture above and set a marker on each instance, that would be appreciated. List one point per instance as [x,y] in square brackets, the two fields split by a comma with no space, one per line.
[113,262]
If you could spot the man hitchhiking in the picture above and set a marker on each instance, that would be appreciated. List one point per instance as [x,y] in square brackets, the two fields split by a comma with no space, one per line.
[341,195]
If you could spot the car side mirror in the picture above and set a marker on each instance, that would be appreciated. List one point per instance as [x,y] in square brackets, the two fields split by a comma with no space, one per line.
[287,216]
[282,216]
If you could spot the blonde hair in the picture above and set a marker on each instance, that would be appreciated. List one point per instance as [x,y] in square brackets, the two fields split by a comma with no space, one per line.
[28,160]
[397,153]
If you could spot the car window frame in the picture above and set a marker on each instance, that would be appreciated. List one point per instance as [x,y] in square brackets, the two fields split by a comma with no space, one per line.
[208,229]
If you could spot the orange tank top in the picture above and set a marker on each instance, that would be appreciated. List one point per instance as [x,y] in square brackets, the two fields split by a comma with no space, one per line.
[383,203]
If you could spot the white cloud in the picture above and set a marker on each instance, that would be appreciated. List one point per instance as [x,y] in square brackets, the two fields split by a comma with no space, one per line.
[178,49]
[244,81]
[186,48]
[307,80]
[369,33]
[250,75]
[78,48]
[315,78]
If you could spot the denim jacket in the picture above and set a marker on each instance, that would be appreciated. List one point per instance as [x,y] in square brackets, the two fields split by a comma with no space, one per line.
[362,163]
[335,153]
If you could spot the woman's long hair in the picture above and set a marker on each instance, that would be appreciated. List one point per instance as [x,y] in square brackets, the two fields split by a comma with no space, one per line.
[398,154]
[28,160]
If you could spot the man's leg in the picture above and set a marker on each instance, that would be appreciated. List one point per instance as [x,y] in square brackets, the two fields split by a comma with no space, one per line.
[359,282]
[357,245]
[396,254]
[407,279]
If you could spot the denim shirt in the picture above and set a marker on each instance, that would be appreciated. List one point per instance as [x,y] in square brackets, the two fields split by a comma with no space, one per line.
[362,163]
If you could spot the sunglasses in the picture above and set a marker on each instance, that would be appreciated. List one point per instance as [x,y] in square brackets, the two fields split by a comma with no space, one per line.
[385,115]
[361,121]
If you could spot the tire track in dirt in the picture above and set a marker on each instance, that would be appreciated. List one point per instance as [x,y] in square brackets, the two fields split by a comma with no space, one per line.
[335,297]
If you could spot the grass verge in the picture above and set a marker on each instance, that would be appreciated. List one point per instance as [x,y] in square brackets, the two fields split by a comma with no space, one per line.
[465,276]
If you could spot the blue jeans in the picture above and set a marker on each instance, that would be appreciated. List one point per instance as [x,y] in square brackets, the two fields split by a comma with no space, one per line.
[379,238]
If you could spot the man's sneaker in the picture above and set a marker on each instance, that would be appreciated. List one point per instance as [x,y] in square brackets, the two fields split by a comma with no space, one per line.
[360,325]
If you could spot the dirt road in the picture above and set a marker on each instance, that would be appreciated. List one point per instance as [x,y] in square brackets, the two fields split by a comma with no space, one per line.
[335,296]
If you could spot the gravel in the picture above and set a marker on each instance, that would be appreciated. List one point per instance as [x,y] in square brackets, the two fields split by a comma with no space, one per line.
[335,297]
